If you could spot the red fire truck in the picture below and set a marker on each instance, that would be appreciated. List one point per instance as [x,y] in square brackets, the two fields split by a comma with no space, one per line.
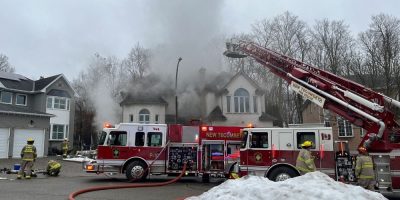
[141,149]
[274,150]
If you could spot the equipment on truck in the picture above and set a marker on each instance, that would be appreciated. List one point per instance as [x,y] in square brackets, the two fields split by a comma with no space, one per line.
[142,149]
[359,105]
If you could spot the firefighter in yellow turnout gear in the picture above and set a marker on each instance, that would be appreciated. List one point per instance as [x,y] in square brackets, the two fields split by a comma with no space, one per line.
[28,155]
[305,161]
[53,168]
[365,169]
[65,147]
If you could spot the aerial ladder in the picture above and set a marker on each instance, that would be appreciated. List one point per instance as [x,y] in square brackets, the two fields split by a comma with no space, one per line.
[354,102]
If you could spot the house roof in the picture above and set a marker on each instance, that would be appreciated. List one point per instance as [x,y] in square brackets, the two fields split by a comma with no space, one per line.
[15,81]
[141,99]
[216,115]
[43,82]
[21,110]
[18,82]
[241,73]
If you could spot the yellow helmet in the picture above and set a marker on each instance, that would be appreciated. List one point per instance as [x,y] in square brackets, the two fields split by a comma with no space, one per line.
[30,140]
[307,143]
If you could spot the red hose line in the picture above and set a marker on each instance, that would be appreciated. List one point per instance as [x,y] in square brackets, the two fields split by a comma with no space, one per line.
[137,185]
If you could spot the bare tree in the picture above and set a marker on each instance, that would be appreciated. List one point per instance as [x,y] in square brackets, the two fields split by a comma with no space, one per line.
[332,46]
[380,45]
[137,63]
[5,66]
[288,35]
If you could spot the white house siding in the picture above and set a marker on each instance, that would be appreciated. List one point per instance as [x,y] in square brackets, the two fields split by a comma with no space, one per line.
[211,102]
[134,110]
[62,117]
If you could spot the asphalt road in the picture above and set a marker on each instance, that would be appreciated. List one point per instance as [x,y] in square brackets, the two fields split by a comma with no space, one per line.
[72,178]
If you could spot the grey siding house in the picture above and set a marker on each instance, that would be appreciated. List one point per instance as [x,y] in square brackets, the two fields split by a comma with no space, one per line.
[40,109]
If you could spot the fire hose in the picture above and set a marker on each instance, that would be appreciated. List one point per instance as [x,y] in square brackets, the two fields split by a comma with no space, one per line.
[122,186]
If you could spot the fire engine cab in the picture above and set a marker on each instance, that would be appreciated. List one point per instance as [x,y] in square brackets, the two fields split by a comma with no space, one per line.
[142,149]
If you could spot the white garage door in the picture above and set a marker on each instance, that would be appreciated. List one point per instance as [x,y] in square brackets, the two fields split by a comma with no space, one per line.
[20,137]
[4,135]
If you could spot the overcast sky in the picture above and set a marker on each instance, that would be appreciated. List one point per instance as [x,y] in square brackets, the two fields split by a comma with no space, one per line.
[44,38]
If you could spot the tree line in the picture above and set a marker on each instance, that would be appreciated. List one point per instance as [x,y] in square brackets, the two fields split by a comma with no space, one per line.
[370,58]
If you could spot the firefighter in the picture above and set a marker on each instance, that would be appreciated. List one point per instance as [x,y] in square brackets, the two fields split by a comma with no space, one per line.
[65,147]
[305,161]
[28,155]
[53,168]
[365,169]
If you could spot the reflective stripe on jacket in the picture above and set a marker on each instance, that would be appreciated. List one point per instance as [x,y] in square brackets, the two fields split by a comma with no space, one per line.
[305,161]
[364,167]
[28,153]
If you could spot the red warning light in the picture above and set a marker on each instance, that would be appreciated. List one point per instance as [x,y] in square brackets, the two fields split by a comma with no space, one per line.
[108,125]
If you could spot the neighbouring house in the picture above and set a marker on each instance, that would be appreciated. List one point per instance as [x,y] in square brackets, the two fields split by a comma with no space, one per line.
[237,101]
[40,109]
[227,100]
[143,109]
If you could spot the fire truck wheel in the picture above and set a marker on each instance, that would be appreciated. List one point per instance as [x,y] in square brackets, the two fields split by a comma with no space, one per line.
[136,171]
[281,174]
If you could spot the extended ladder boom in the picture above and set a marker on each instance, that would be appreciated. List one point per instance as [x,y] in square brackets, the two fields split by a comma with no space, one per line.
[350,100]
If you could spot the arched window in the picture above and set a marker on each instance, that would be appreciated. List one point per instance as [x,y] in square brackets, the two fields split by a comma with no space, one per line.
[144,116]
[241,100]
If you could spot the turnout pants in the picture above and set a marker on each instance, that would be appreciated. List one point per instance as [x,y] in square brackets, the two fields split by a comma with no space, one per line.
[26,165]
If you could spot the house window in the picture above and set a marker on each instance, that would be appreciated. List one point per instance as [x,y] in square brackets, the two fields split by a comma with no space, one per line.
[6,97]
[49,102]
[58,103]
[21,99]
[345,129]
[59,131]
[228,104]
[144,116]
[255,104]
[156,119]
[241,100]
[130,118]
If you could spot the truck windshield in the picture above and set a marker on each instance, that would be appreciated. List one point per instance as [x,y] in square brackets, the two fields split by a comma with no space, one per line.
[244,140]
[102,138]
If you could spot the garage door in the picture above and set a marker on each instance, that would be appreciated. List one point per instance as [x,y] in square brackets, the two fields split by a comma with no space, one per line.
[4,135]
[20,137]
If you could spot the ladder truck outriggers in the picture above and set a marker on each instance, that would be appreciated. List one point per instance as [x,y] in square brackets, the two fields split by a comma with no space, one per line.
[272,152]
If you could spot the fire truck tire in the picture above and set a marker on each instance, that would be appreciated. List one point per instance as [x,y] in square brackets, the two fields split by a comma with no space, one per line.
[281,174]
[136,171]
[205,178]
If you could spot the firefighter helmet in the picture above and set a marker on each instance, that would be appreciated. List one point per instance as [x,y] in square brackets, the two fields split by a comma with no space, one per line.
[307,143]
[30,140]
[65,139]
[362,150]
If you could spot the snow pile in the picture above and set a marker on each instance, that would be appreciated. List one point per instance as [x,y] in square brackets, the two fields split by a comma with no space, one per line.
[78,159]
[312,186]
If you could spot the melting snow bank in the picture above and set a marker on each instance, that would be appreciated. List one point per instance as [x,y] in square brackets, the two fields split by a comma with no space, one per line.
[312,186]
[78,159]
